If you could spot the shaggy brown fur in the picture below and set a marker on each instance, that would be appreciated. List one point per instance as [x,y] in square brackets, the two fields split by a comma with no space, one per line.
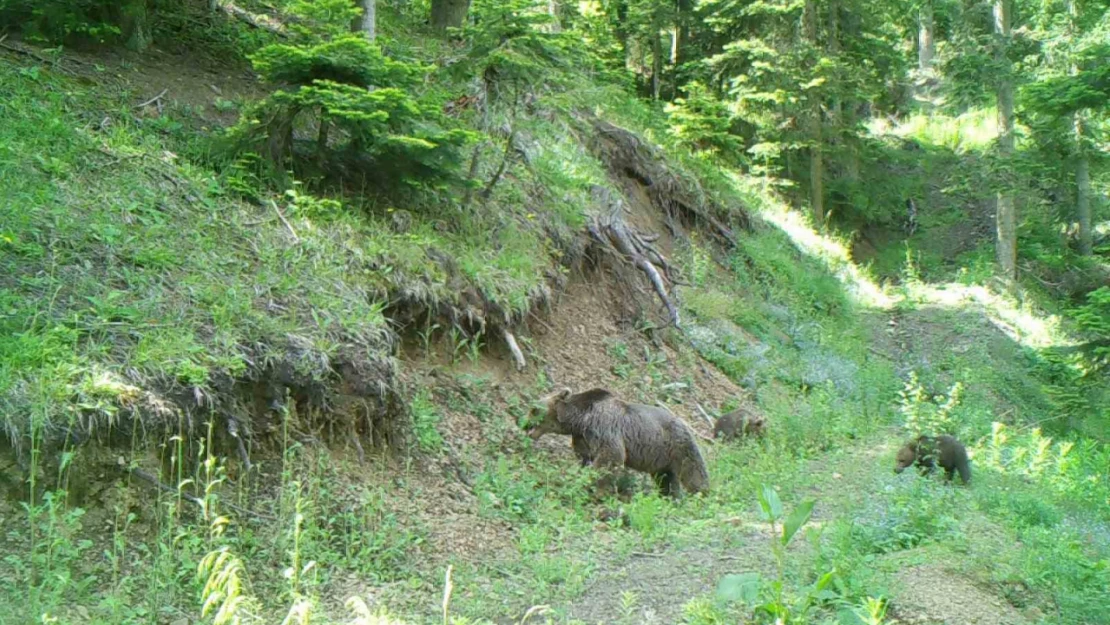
[737,424]
[927,452]
[607,432]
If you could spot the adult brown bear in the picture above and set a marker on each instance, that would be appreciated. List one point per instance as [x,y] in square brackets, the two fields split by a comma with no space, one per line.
[607,432]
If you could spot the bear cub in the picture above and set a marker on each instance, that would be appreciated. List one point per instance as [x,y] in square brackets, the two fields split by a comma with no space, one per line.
[738,423]
[927,452]
[609,433]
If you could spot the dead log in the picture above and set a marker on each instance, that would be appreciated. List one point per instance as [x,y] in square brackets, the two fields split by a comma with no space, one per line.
[193,499]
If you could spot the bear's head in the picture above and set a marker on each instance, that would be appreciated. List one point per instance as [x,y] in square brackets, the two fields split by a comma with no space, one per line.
[906,457]
[756,425]
[545,414]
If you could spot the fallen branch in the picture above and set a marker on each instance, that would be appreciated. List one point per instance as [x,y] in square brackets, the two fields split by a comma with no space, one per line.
[518,356]
[880,354]
[260,22]
[233,430]
[506,158]
[157,98]
[475,158]
[166,488]
[193,499]
[705,414]
[293,232]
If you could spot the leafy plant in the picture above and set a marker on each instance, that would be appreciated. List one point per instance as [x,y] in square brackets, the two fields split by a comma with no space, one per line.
[925,415]
[425,419]
[702,122]
[770,598]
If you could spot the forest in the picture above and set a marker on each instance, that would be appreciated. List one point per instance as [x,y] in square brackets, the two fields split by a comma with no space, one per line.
[476,312]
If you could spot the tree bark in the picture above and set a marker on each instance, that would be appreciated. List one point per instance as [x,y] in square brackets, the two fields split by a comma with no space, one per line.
[553,11]
[835,112]
[926,53]
[1006,215]
[1082,162]
[1083,192]
[816,163]
[449,13]
[926,42]
[366,21]
[135,25]
[656,65]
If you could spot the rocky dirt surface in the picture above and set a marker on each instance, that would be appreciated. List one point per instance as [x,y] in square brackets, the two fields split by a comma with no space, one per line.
[930,594]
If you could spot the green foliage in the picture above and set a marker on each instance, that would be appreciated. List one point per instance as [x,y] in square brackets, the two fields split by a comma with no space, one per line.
[769,598]
[425,419]
[928,415]
[362,106]
[512,49]
[348,59]
[701,122]
[59,20]
[1094,318]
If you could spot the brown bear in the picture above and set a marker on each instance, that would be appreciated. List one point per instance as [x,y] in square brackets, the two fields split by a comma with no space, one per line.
[737,424]
[927,452]
[607,432]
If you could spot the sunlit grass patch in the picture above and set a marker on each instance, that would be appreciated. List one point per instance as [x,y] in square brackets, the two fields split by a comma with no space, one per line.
[974,131]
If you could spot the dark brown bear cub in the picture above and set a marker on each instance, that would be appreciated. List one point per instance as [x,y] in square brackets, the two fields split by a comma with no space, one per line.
[927,452]
[608,433]
[737,424]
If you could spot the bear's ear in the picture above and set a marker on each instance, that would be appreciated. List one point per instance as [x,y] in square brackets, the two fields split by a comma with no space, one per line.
[563,394]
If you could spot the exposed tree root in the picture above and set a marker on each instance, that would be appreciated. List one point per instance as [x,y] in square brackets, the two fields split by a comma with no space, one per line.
[518,356]
[611,232]
[678,197]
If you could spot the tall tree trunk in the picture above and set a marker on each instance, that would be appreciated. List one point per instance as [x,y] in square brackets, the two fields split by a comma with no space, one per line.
[926,41]
[553,11]
[1083,190]
[1006,215]
[656,64]
[449,13]
[366,21]
[682,30]
[835,112]
[1082,162]
[135,24]
[926,52]
[816,164]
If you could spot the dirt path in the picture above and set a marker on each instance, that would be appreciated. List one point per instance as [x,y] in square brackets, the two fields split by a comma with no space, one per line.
[653,590]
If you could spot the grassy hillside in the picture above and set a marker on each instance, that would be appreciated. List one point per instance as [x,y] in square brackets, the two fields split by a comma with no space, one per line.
[225,404]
